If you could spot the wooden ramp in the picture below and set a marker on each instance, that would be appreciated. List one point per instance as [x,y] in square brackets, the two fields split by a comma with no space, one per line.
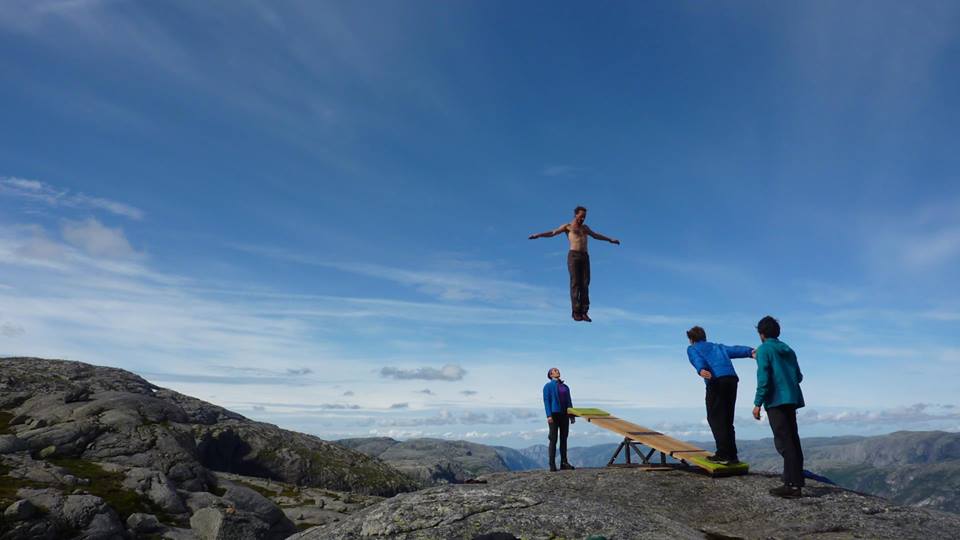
[635,436]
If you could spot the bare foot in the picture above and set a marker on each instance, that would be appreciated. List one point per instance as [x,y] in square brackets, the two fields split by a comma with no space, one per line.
[577,317]
[583,317]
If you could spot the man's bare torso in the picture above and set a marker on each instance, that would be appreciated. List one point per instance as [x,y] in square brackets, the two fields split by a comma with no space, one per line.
[577,235]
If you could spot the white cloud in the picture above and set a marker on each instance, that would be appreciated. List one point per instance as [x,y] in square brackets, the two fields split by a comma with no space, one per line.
[11,330]
[98,240]
[447,417]
[35,190]
[915,415]
[454,283]
[917,241]
[449,372]
[934,248]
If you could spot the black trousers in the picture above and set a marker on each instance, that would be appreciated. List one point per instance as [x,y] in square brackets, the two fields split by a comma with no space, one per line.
[721,403]
[560,426]
[783,423]
[578,265]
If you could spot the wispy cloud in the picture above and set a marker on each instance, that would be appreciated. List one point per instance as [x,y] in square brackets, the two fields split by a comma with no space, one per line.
[426,392]
[919,239]
[455,284]
[917,414]
[35,190]
[449,372]
[468,393]
[447,417]
[299,407]
[397,406]
[11,330]
[97,240]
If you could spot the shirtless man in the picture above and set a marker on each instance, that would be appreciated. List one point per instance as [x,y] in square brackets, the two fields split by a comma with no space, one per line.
[578,260]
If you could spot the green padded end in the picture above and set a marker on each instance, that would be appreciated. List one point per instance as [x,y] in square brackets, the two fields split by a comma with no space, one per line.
[717,469]
[588,411]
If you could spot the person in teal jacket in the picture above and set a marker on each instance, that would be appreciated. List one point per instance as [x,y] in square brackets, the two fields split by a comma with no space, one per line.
[778,391]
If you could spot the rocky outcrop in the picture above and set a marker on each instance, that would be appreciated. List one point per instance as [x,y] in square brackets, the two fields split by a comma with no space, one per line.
[633,503]
[434,461]
[919,468]
[100,452]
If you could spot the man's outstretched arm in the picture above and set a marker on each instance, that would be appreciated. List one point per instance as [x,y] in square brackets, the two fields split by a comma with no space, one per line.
[548,234]
[599,236]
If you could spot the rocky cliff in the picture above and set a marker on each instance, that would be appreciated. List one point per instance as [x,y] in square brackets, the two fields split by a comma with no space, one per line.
[86,449]
[620,503]
[920,468]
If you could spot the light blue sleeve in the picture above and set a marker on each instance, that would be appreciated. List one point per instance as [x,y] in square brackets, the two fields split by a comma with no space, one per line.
[738,351]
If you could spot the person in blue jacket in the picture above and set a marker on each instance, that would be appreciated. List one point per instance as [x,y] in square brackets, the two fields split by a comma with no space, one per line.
[712,362]
[556,401]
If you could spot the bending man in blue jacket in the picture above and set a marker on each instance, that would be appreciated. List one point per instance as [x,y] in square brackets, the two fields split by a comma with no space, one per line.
[712,362]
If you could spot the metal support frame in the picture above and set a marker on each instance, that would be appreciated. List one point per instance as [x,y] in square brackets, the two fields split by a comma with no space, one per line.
[626,445]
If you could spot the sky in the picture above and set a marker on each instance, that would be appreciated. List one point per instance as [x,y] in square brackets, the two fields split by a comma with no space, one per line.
[316,213]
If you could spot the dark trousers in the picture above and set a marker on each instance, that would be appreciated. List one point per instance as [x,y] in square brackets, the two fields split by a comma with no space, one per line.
[783,423]
[721,402]
[559,426]
[578,264]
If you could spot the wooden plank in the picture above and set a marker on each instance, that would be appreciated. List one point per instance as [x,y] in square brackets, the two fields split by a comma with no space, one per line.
[662,443]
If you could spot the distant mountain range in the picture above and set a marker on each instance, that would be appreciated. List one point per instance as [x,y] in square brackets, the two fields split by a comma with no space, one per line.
[913,468]
[439,461]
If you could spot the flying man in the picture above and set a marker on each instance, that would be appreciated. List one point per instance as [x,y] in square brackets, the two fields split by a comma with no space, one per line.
[578,260]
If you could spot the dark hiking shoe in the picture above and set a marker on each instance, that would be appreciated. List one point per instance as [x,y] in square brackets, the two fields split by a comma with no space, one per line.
[583,317]
[553,468]
[786,492]
[567,467]
[716,459]
[577,317]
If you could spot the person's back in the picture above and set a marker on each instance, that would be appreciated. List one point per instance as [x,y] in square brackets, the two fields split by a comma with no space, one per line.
[778,391]
[712,362]
[779,376]
[715,357]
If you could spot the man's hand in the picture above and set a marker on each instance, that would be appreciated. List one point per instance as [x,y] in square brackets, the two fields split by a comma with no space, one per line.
[549,419]
[573,419]
[534,236]
[706,374]
[614,241]
[753,354]
[756,412]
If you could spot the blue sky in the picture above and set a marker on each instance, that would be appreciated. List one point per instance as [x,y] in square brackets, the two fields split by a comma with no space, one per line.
[316,214]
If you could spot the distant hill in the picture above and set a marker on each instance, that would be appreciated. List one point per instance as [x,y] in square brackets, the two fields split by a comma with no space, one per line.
[439,461]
